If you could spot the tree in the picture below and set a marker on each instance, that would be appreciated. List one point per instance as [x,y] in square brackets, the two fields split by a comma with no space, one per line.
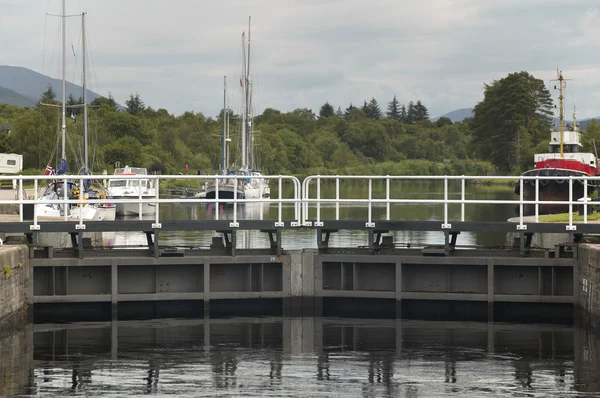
[135,105]
[372,110]
[339,112]
[326,110]
[420,112]
[410,113]
[403,114]
[47,97]
[110,102]
[512,118]
[393,111]
[349,109]
[443,121]
[126,150]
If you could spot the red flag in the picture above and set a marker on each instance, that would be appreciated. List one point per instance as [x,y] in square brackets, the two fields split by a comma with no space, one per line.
[48,169]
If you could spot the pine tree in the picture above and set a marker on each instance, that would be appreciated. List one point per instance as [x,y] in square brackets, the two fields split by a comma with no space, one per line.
[365,109]
[349,109]
[326,110]
[135,105]
[48,96]
[339,112]
[410,113]
[374,110]
[394,109]
[403,115]
[421,112]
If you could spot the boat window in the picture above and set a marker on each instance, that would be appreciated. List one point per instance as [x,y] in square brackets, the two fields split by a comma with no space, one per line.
[117,183]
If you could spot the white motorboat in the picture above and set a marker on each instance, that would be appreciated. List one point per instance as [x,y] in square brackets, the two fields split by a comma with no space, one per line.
[132,189]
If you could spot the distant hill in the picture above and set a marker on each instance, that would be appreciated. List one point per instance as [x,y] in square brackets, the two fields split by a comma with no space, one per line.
[30,84]
[582,124]
[10,97]
[457,115]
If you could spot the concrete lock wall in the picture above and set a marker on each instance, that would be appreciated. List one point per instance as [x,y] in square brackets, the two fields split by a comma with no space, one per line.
[589,284]
[14,274]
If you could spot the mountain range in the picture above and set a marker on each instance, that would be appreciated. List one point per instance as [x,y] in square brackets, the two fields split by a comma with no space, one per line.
[23,87]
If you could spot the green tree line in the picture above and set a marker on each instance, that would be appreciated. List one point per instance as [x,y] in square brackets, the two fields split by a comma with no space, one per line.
[509,126]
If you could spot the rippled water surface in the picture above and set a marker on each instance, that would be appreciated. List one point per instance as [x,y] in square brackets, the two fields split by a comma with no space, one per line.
[300,357]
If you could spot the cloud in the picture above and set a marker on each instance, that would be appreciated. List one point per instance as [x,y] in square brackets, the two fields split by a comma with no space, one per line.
[305,52]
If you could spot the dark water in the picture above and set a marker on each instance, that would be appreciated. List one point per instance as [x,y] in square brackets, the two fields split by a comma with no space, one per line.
[301,357]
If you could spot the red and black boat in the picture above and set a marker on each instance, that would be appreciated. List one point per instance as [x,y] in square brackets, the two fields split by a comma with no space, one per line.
[563,160]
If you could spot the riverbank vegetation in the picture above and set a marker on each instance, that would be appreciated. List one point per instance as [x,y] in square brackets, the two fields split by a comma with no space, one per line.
[509,125]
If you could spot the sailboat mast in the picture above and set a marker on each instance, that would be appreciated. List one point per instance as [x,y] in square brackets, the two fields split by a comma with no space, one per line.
[64,76]
[224,139]
[243,83]
[561,115]
[247,109]
[85,114]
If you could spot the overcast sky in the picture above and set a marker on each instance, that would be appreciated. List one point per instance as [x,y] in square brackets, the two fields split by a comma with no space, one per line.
[305,52]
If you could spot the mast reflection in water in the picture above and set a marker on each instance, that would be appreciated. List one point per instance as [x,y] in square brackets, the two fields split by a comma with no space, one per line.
[302,356]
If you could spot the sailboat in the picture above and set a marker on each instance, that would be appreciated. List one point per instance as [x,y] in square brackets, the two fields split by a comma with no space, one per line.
[55,189]
[226,187]
[255,186]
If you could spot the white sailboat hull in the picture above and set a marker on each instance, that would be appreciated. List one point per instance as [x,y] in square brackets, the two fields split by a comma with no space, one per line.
[133,208]
[108,213]
[75,212]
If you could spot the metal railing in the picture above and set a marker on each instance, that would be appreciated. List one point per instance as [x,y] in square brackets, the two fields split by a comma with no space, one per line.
[154,182]
[314,197]
[303,197]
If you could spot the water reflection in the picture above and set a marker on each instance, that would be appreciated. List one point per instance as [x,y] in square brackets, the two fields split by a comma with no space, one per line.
[304,356]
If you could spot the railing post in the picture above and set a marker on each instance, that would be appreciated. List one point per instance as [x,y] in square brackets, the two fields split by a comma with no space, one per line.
[446,225]
[537,199]
[156,204]
[235,224]
[462,198]
[279,222]
[571,227]
[318,222]
[20,196]
[337,197]
[80,205]
[217,203]
[585,199]
[521,227]
[387,198]
[139,188]
[65,197]
[35,190]
[370,223]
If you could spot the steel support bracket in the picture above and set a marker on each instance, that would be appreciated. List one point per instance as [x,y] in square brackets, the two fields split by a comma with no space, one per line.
[279,224]
[234,224]
[35,227]
[307,223]
[571,227]
[156,225]
[294,224]
[446,226]
[522,227]
[318,223]
[369,225]
[80,226]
